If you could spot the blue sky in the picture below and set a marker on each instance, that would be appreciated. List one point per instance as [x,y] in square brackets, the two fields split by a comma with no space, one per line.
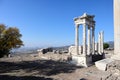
[50,22]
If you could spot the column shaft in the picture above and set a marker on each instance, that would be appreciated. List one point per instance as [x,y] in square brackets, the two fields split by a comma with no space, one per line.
[89,42]
[77,39]
[93,40]
[84,39]
[102,42]
[99,44]
[117,27]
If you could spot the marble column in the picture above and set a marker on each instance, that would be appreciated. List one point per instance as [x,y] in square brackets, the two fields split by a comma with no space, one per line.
[93,40]
[117,29]
[77,39]
[102,41]
[99,44]
[89,41]
[84,39]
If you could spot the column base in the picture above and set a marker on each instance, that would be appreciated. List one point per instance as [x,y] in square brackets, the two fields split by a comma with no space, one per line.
[80,60]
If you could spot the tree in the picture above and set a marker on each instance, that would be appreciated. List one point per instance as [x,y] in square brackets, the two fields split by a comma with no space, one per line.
[106,45]
[9,39]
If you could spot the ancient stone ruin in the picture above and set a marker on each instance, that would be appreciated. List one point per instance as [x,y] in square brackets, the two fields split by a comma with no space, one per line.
[82,55]
[44,50]
[112,63]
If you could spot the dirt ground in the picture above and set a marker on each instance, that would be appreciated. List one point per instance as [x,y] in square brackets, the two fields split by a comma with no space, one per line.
[33,67]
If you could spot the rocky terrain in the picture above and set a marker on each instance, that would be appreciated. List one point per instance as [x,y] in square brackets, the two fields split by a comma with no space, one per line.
[52,66]
[114,69]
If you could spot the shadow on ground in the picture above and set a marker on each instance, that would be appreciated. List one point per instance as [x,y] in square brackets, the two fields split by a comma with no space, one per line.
[41,67]
[6,77]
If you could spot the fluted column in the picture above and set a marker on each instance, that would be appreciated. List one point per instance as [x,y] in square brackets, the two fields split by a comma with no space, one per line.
[77,39]
[84,39]
[93,40]
[89,42]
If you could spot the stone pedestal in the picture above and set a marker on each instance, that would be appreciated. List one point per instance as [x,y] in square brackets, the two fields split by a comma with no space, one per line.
[83,61]
[102,64]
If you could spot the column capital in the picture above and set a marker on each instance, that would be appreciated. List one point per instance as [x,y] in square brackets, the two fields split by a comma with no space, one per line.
[76,25]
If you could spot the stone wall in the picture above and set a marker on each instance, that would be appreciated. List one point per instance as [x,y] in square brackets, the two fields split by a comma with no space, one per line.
[72,50]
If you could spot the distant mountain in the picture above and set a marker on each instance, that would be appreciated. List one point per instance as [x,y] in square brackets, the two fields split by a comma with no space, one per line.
[34,49]
[25,50]
[61,48]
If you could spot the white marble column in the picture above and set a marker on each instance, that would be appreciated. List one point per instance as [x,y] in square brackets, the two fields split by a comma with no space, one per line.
[84,39]
[77,39]
[102,41]
[93,40]
[117,29]
[99,43]
[89,41]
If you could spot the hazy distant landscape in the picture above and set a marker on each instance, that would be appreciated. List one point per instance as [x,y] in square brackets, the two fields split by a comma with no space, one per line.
[29,50]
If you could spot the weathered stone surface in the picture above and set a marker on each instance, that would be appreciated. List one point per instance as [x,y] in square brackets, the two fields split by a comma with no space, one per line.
[81,61]
[116,30]
[72,50]
[114,69]
[102,64]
